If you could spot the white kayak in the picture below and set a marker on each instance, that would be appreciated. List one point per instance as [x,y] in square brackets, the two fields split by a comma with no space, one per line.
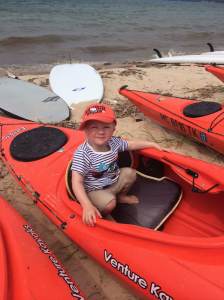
[200,59]
[76,83]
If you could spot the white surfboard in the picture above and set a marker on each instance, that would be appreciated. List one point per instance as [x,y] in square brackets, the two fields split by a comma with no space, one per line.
[200,59]
[213,53]
[31,102]
[76,83]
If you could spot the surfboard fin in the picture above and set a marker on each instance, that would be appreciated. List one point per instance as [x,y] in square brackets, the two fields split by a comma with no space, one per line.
[169,54]
[158,52]
[211,47]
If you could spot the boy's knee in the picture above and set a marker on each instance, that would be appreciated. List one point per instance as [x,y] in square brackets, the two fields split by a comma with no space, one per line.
[110,206]
[130,174]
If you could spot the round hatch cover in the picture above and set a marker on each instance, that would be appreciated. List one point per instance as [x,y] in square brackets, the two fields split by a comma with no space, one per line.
[37,143]
[201,109]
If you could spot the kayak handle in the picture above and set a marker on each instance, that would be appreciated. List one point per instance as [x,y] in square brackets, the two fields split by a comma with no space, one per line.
[213,126]
[191,173]
[123,87]
[213,64]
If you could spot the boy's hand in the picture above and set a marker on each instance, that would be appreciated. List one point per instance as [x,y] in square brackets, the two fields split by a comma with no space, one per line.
[89,214]
[160,148]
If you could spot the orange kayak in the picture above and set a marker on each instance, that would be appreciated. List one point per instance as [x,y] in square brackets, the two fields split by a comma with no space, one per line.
[201,120]
[168,246]
[29,270]
[216,71]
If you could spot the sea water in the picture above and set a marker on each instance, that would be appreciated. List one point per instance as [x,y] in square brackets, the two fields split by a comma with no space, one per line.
[37,34]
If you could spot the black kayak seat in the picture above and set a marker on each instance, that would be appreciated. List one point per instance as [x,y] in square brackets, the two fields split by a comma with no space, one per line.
[157,200]
[37,143]
[158,197]
[201,109]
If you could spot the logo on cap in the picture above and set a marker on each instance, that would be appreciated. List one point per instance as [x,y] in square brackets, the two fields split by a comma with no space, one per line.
[95,110]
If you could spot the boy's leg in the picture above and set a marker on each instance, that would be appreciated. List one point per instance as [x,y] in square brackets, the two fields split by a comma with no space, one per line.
[105,202]
[127,178]
[108,209]
[122,197]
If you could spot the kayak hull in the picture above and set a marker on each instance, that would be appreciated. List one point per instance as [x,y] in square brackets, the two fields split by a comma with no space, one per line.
[168,112]
[31,270]
[183,261]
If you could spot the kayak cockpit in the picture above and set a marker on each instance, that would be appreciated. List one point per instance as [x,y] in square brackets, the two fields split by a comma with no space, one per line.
[158,197]
[167,202]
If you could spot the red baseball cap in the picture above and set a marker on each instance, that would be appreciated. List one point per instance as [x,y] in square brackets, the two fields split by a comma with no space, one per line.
[99,112]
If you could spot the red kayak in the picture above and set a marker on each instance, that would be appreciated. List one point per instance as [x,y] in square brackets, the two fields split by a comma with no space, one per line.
[216,71]
[29,270]
[201,120]
[168,246]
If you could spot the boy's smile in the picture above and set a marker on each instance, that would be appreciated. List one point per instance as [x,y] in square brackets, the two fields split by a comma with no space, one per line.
[99,134]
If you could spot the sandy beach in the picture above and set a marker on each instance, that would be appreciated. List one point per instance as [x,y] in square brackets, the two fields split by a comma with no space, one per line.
[176,81]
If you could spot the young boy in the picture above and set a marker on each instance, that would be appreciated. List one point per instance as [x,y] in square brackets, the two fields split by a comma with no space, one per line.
[97,181]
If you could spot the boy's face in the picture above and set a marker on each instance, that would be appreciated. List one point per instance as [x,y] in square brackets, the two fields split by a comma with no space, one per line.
[99,133]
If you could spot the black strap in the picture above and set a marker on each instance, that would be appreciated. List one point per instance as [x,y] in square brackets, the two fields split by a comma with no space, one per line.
[194,175]
[211,127]
[195,189]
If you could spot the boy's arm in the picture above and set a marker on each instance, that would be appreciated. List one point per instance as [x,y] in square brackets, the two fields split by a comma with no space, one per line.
[89,210]
[139,145]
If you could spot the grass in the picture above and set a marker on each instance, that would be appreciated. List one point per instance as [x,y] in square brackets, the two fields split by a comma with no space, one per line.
[170,141]
[101,275]
[83,257]
[69,256]
[175,142]
[215,155]
[59,249]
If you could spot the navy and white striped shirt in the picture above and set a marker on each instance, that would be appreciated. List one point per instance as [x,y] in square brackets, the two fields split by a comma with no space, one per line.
[100,169]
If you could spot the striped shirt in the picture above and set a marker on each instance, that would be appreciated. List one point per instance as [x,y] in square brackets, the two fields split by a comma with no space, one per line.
[99,169]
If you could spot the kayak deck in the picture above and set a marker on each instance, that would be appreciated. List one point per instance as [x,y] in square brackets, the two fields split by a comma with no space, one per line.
[189,247]
[197,215]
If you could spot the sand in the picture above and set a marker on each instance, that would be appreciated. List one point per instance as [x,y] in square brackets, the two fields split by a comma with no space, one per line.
[176,81]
